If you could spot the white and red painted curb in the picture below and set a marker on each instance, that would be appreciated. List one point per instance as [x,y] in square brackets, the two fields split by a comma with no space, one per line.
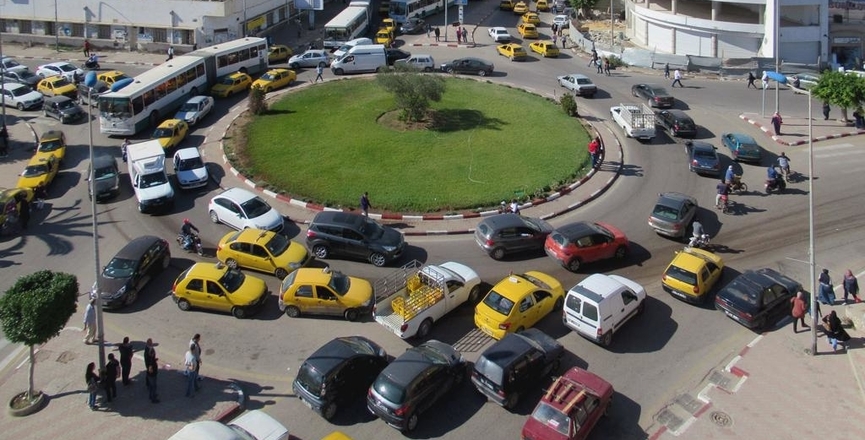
[770,130]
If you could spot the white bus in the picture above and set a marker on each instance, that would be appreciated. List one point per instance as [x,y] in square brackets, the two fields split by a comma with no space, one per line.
[402,10]
[351,23]
[156,94]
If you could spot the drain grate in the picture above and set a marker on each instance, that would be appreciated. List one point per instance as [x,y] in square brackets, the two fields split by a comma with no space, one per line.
[721,419]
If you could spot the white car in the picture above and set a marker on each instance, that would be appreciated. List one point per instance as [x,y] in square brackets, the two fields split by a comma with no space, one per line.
[578,83]
[21,97]
[189,168]
[420,62]
[310,58]
[195,109]
[561,21]
[60,68]
[252,425]
[500,35]
[10,65]
[241,209]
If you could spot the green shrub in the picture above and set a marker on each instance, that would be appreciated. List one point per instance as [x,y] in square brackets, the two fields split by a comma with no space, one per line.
[257,106]
[569,105]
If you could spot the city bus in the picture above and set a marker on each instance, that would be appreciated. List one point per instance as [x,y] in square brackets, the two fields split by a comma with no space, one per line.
[402,10]
[157,93]
[351,23]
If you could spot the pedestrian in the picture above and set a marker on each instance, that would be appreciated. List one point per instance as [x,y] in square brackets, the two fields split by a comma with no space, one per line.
[40,194]
[126,351]
[515,206]
[600,63]
[554,9]
[86,48]
[458,34]
[765,80]
[751,79]
[554,28]
[851,286]
[594,150]
[112,371]
[365,204]
[4,140]
[436,32]
[776,123]
[170,53]
[196,343]
[564,40]
[152,368]
[677,78]
[90,322]
[191,367]
[555,39]
[607,66]
[835,333]
[427,28]
[318,71]
[667,70]
[465,35]
[827,293]
[91,378]
[858,119]
[594,58]
[826,109]
[23,211]
[798,310]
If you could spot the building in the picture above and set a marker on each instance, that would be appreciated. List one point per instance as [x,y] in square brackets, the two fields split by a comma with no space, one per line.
[847,33]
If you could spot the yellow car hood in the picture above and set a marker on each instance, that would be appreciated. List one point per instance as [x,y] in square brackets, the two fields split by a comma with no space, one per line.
[251,290]
[358,293]
[31,182]
[296,253]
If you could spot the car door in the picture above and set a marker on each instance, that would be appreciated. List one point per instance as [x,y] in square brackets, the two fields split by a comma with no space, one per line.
[260,259]
[195,293]
[304,299]
[630,302]
[779,306]
[602,247]
[327,302]
[729,142]
[711,274]
[530,238]
[664,119]
[543,305]
[217,297]
[232,214]
[355,245]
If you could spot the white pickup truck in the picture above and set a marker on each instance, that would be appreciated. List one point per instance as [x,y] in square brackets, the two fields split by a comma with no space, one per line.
[412,298]
[637,121]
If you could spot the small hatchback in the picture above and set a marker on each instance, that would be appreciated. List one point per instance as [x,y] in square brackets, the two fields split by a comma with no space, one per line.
[107,177]
[264,251]
[241,209]
[503,234]
[313,291]
[353,236]
[52,143]
[677,123]
[220,288]
[691,274]
[703,158]
[583,242]
[337,373]
[63,108]
[129,271]
[673,214]
[189,168]
[231,84]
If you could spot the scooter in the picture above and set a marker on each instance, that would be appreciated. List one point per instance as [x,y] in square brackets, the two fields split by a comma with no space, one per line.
[92,64]
[190,242]
[700,242]
[725,206]
[777,184]
[737,185]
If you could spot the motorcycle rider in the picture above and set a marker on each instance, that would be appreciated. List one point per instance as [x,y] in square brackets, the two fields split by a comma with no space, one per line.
[92,62]
[186,232]
[784,164]
[723,193]
[728,177]
[697,237]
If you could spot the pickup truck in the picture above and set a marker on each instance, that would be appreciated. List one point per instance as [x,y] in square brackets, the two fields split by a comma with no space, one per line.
[412,298]
[637,121]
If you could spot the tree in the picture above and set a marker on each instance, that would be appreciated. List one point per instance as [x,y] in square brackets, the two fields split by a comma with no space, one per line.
[257,105]
[840,89]
[36,308]
[413,90]
[584,6]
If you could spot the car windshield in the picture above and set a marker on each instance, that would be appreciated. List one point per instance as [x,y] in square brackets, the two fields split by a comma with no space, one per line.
[371,229]
[552,418]
[151,180]
[268,77]
[339,283]
[21,91]
[255,207]
[63,105]
[499,303]
[193,163]
[35,170]
[227,80]
[52,145]
[277,245]
[67,67]
[685,276]
[232,280]
[163,132]
[433,355]
[105,173]
[61,83]
[119,268]
[664,212]
[189,107]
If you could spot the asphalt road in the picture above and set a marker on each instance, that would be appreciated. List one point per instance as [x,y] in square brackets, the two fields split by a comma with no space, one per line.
[653,359]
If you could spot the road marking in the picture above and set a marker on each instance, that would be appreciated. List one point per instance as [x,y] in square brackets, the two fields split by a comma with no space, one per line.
[837,146]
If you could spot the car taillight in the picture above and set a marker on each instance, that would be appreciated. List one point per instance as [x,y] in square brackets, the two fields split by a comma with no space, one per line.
[695,162]
[657,99]
[677,227]
[490,242]
[501,393]
[696,289]
[504,326]
[310,233]
[400,411]
[599,332]
[403,327]
[675,126]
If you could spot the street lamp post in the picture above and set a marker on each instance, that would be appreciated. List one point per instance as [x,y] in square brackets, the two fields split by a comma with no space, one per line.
[90,81]
[812,266]
[778,55]
[56,28]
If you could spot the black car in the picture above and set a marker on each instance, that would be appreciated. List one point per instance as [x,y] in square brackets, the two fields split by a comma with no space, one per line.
[677,123]
[655,96]
[25,77]
[475,66]
[757,299]
[413,26]
[515,364]
[90,95]
[131,269]
[503,234]
[395,54]
[413,382]
[703,158]
[107,177]
[354,236]
[62,108]
[341,370]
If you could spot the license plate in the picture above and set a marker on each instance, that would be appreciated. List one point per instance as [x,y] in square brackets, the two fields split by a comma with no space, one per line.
[677,293]
[732,316]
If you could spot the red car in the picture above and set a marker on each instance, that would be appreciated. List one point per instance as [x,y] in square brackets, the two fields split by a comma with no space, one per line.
[570,408]
[583,242]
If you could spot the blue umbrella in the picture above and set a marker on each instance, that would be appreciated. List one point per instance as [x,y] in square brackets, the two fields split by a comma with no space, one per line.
[775,76]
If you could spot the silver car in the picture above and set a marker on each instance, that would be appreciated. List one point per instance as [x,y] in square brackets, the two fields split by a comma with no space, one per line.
[673,214]
[580,84]
[503,234]
[310,58]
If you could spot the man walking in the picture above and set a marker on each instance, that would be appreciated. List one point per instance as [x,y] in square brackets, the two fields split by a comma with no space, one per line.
[677,78]
[112,370]
[90,322]
[126,351]
[436,32]
[365,204]
[667,70]
[427,28]
[170,53]
[465,35]
[191,368]
[86,48]
[195,347]
[318,71]
[594,58]
[150,364]
[751,79]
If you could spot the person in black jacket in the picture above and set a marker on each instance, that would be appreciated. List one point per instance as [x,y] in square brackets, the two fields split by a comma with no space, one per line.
[834,331]
[126,351]
[150,363]
[112,370]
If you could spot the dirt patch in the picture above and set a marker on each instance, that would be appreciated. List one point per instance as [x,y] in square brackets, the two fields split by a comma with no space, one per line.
[392,121]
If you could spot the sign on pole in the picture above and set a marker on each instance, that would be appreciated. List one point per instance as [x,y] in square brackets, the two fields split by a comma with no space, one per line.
[461,15]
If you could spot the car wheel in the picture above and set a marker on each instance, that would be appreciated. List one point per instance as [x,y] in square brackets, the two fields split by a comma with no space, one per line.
[559,303]
[231,263]
[498,253]
[574,265]
[214,217]
[292,312]
[280,273]
[424,329]
[20,106]
[607,339]
[294,65]
[166,260]
[338,72]
[512,400]
[320,251]
[411,424]
[377,259]
[351,315]
[621,252]
[482,73]
[329,411]
[427,69]
[131,296]
[475,295]
[239,312]
[184,305]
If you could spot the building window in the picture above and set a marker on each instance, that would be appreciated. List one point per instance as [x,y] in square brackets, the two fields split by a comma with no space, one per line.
[25,27]
[186,36]
[160,35]
[282,11]
[77,30]
[103,32]
[50,28]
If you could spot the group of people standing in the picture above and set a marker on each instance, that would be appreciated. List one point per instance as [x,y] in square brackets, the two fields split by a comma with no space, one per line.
[603,65]
[832,325]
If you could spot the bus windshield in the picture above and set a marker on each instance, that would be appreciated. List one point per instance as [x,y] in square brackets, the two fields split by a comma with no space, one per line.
[115,107]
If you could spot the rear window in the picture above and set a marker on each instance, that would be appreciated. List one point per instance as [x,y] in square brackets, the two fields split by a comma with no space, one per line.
[499,303]
[677,273]
[388,389]
[484,230]
[559,239]
[587,310]
[489,370]
[665,213]
[310,379]
[738,291]
[552,418]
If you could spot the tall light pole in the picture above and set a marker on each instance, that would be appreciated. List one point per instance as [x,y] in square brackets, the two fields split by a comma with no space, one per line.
[612,27]
[778,54]
[56,28]
[812,265]
[90,81]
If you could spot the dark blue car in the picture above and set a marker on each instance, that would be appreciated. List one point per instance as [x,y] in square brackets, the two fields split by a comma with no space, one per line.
[742,147]
[702,158]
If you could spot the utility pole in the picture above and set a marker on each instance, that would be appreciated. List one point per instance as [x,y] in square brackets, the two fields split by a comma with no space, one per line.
[777,54]
[56,28]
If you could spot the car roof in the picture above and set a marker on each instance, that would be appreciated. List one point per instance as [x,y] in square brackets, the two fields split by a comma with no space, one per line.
[238,195]
[674,199]
[13,86]
[313,275]
[678,114]
[515,345]
[576,230]
[700,145]
[198,98]
[250,235]
[59,98]
[137,247]
[56,63]
[38,160]
[598,286]
[339,217]
[169,123]
[742,138]
[500,221]
[187,153]
[514,286]
[693,259]
[103,160]
[212,271]
[337,351]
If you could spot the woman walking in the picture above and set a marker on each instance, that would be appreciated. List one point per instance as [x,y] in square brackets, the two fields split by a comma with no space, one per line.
[834,332]
[798,312]
[91,378]
[851,287]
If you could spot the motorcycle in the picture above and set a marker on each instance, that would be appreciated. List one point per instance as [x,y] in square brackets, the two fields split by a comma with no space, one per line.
[701,242]
[777,184]
[190,242]
[737,185]
[92,64]
[725,206]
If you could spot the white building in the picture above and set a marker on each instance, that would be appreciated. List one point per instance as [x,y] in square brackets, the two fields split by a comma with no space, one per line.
[732,28]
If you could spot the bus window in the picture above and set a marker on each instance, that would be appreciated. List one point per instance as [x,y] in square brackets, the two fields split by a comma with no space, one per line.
[222,61]
[243,54]
[190,75]
[199,69]
[232,58]
[148,98]
[181,80]
[160,91]
[253,52]
[170,86]
[137,105]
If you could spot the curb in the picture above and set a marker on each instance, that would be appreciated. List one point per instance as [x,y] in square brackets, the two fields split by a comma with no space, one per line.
[235,407]
[778,139]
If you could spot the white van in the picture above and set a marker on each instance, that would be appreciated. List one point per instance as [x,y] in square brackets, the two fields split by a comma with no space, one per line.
[600,304]
[361,59]
[420,62]
[349,44]
[146,162]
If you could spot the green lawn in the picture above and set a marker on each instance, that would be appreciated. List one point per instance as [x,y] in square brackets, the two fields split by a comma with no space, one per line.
[324,144]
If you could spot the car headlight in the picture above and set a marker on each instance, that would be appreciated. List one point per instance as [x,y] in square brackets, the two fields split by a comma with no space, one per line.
[117,294]
[389,248]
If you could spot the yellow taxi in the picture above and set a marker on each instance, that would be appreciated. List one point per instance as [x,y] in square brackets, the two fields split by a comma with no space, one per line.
[521,8]
[507,5]
[274,79]
[513,51]
[278,54]
[39,170]
[231,84]
[171,133]
[527,30]
[531,17]
[546,48]
[518,302]
[52,143]
[57,86]
[10,201]
[389,25]
[691,274]
[217,287]
[325,292]
[111,77]
[542,5]
[384,36]
[261,250]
